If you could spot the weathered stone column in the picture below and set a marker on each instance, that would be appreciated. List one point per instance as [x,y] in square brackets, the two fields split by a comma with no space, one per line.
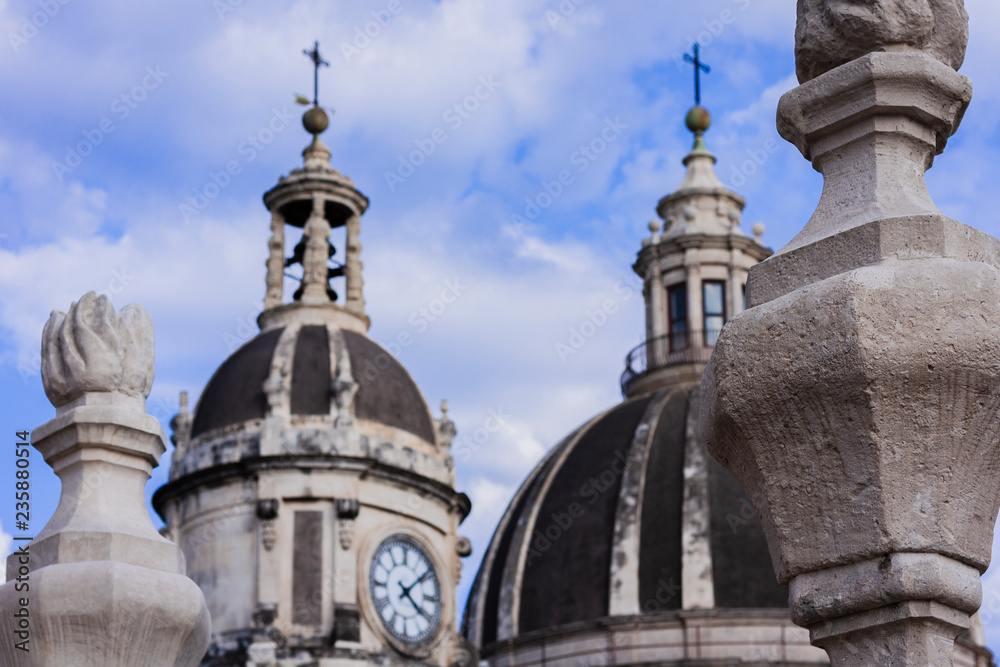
[355,298]
[104,588]
[857,399]
[275,261]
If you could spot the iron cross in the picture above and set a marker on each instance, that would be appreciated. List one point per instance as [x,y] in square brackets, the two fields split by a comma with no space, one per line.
[318,62]
[699,67]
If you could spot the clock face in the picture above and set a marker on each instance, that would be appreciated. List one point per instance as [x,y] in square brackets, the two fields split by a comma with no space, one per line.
[405,590]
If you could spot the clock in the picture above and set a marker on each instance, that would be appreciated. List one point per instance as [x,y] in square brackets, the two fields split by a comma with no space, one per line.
[405,590]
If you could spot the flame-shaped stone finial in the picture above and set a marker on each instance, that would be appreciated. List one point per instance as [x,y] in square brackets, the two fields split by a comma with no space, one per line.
[94,349]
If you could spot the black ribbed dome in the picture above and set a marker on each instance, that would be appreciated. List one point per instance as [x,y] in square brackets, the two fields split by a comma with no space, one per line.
[597,528]
[386,392]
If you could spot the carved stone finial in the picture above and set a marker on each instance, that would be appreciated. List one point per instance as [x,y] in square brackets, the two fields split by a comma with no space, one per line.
[830,33]
[446,428]
[654,231]
[181,427]
[95,349]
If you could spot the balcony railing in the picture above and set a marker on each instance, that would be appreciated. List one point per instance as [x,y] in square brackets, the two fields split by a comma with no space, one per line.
[682,347]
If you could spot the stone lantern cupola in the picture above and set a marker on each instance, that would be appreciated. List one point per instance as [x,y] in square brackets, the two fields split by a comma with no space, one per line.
[694,272]
[317,199]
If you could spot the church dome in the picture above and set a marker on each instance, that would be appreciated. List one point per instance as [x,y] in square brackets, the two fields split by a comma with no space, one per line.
[627,516]
[386,394]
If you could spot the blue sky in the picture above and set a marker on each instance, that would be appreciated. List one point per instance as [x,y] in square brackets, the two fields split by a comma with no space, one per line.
[162,97]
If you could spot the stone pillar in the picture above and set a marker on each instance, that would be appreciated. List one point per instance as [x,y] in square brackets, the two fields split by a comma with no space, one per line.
[106,590]
[355,298]
[696,321]
[317,255]
[735,290]
[857,398]
[657,297]
[275,262]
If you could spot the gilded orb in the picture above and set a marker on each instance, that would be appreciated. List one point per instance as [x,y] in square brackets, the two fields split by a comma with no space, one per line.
[698,119]
[315,120]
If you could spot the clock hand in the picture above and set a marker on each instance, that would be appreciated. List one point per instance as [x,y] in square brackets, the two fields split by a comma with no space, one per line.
[406,593]
[423,577]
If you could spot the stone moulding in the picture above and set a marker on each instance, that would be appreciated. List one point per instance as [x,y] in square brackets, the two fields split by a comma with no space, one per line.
[872,128]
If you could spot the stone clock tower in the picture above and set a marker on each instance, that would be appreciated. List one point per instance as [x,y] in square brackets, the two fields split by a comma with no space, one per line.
[311,490]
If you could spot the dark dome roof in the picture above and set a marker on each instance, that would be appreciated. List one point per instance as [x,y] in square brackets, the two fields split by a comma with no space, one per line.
[603,514]
[386,392]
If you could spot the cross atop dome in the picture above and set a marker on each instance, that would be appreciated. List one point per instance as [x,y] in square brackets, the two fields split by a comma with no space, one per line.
[317,61]
[699,67]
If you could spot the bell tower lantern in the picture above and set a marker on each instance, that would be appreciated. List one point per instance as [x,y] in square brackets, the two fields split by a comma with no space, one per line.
[317,199]
[694,271]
